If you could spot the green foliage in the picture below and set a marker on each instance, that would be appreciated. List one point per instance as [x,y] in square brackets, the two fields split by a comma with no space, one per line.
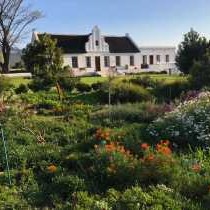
[187,125]
[42,56]
[143,112]
[200,73]
[144,81]
[22,89]
[124,92]
[97,85]
[44,60]
[83,87]
[65,186]
[5,84]
[169,91]
[81,154]
[191,49]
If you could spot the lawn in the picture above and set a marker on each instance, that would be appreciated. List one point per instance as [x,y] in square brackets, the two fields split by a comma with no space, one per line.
[169,78]
[20,80]
[90,80]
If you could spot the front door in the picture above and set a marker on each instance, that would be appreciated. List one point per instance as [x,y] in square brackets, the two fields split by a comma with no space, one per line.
[98,63]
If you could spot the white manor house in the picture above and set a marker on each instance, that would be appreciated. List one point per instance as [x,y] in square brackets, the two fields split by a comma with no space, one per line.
[96,53]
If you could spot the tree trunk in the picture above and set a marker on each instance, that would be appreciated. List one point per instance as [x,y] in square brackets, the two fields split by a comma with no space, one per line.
[6,57]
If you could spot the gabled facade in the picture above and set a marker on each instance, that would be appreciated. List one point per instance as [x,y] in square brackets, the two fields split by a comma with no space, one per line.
[96,53]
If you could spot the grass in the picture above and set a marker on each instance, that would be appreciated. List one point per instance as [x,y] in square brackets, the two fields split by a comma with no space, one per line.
[90,80]
[19,80]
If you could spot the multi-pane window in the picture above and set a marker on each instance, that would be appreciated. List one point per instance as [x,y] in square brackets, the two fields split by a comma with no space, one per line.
[151,59]
[167,58]
[106,61]
[144,59]
[75,62]
[132,61]
[88,62]
[158,58]
[118,61]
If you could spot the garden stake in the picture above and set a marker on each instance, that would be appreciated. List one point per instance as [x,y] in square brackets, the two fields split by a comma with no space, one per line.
[6,156]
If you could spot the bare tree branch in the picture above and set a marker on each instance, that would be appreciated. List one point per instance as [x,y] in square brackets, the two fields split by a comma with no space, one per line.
[15,17]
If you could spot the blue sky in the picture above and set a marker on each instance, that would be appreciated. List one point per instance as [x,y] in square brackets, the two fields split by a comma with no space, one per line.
[149,22]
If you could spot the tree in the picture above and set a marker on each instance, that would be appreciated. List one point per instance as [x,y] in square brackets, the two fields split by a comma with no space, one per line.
[43,56]
[191,49]
[14,19]
[44,60]
[200,72]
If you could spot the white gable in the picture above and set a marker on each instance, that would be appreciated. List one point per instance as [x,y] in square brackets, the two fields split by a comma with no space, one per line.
[96,42]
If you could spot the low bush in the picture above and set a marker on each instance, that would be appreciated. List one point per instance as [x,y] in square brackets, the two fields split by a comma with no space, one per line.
[143,112]
[22,89]
[125,92]
[144,81]
[169,91]
[83,87]
[68,83]
[97,85]
[186,125]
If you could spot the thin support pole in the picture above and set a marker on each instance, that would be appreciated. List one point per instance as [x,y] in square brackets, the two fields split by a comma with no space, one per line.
[6,156]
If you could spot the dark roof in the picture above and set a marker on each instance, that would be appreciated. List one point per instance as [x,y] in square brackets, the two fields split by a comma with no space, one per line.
[70,43]
[121,45]
[76,43]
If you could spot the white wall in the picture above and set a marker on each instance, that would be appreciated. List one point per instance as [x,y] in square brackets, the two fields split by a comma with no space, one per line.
[125,60]
[162,51]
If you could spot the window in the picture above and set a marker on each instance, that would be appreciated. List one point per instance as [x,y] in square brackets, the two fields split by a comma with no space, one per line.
[132,61]
[75,62]
[144,59]
[158,58]
[167,58]
[88,62]
[118,61]
[97,42]
[106,61]
[151,59]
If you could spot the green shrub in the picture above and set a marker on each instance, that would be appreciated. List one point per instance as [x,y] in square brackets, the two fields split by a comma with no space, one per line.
[143,112]
[125,92]
[21,89]
[42,83]
[68,83]
[200,73]
[186,125]
[65,186]
[97,85]
[83,87]
[172,90]
[144,81]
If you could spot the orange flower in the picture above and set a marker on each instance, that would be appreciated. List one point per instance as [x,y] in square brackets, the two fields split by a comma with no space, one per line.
[149,158]
[165,142]
[52,169]
[196,167]
[163,148]
[144,146]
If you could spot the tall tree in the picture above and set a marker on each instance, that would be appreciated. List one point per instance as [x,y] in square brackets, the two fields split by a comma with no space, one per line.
[14,20]
[44,60]
[191,49]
